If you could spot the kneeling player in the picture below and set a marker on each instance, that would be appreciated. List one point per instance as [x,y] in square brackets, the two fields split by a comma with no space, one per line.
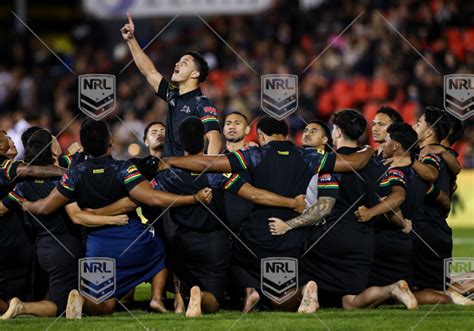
[97,182]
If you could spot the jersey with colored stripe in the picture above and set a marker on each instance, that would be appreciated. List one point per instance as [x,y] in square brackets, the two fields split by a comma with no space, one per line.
[431,210]
[12,232]
[198,217]
[414,187]
[249,158]
[56,223]
[352,189]
[192,103]
[98,182]
[68,161]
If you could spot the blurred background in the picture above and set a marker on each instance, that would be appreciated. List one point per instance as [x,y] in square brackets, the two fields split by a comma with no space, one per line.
[370,64]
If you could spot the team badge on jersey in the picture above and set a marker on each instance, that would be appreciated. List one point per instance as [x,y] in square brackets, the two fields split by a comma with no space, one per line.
[279,95]
[279,280]
[97,95]
[459,95]
[97,278]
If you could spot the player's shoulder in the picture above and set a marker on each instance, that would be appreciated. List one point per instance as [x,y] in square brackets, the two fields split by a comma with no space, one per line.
[397,171]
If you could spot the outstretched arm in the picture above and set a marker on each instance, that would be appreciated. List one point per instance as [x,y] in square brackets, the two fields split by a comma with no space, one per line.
[312,215]
[142,61]
[219,163]
[122,206]
[81,217]
[426,172]
[452,162]
[25,170]
[144,193]
[267,198]
[48,205]
[354,161]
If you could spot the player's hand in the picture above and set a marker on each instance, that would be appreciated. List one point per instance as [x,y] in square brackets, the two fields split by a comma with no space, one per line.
[407,226]
[205,195]
[300,203]
[363,214]
[277,226]
[74,148]
[119,220]
[432,149]
[128,29]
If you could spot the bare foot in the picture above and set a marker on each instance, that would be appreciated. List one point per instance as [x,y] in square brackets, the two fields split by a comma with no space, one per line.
[459,299]
[178,304]
[309,303]
[251,300]
[14,309]
[75,302]
[194,306]
[158,305]
[402,293]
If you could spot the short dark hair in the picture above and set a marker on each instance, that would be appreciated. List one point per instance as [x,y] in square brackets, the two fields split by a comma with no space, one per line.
[325,127]
[95,137]
[201,64]
[191,135]
[456,130]
[271,126]
[27,134]
[437,119]
[394,115]
[148,127]
[237,113]
[36,148]
[406,136]
[351,122]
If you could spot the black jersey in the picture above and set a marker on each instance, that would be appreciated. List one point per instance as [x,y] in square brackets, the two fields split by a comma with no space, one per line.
[197,217]
[57,223]
[148,166]
[431,211]
[414,187]
[12,232]
[192,103]
[68,161]
[98,182]
[285,169]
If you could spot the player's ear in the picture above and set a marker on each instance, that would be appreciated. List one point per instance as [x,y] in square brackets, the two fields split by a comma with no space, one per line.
[195,74]
[325,140]
[247,130]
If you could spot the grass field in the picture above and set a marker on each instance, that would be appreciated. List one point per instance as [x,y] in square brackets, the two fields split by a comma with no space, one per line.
[430,317]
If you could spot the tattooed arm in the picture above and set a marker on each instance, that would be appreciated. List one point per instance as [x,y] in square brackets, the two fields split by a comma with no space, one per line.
[311,216]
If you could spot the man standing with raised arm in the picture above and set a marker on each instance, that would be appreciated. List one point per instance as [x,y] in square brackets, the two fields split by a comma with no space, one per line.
[183,95]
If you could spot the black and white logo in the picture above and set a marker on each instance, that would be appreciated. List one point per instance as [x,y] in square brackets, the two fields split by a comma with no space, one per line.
[459,95]
[279,280]
[97,95]
[279,95]
[97,278]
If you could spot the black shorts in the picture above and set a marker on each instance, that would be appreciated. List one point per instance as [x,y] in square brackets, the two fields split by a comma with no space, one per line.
[60,265]
[340,260]
[202,259]
[429,254]
[392,257]
[15,272]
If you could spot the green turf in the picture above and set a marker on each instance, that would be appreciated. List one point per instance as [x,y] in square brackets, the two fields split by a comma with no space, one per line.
[430,317]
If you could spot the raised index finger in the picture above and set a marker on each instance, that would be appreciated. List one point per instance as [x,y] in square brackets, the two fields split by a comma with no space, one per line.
[129,18]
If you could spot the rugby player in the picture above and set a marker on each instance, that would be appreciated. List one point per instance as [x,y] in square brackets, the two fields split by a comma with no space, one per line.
[278,166]
[58,243]
[183,95]
[95,183]
[340,252]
